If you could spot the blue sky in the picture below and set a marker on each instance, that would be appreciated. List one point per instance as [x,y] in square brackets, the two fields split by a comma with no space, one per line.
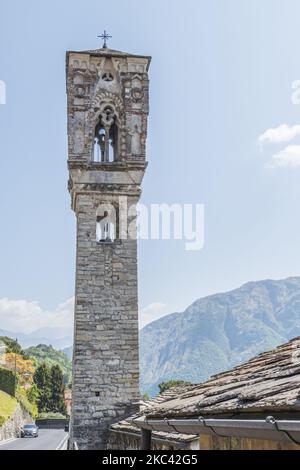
[221,76]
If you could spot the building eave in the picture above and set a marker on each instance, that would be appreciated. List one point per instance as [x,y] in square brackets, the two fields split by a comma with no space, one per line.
[267,429]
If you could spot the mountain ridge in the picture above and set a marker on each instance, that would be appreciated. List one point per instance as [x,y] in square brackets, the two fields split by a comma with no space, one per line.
[219,331]
[58,338]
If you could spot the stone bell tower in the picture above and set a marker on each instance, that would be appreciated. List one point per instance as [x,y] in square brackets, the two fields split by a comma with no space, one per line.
[108,106]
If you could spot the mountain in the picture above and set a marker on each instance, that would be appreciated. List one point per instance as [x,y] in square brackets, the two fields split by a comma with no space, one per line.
[218,332]
[57,337]
[68,352]
[51,356]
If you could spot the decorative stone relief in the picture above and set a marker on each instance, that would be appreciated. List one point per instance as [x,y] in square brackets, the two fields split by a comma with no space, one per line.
[136,140]
[105,98]
[136,68]
[78,146]
[79,91]
[137,94]
[101,81]
[135,131]
[78,79]
[137,82]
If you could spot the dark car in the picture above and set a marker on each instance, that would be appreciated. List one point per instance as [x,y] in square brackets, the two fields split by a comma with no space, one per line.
[29,430]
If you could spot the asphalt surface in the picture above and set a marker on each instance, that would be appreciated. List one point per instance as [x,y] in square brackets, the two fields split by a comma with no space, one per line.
[49,439]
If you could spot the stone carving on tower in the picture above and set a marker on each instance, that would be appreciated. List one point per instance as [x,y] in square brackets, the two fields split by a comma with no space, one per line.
[108,106]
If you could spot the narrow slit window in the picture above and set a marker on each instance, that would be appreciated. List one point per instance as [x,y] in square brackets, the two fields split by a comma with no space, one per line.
[106,230]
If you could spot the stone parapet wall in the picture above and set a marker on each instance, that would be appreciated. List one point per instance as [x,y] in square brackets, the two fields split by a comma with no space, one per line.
[132,441]
[11,428]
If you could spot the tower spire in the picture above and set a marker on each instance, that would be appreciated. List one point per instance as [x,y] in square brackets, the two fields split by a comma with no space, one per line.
[105,36]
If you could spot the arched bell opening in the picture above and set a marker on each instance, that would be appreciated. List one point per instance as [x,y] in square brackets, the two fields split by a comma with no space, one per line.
[106,137]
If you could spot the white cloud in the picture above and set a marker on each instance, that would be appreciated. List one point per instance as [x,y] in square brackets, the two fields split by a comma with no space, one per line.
[152,312]
[289,157]
[282,133]
[24,316]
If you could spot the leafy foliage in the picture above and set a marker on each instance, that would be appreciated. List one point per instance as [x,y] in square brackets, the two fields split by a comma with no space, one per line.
[51,415]
[50,386]
[171,384]
[42,380]
[51,357]
[24,367]
[33,394]
[57,400]
[22,398]
[7,381]
[12,346]
[7,407]
[68,352]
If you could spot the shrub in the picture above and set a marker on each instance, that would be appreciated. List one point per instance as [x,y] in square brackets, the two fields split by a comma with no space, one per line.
[2,421]
[33,394]
[12,345]
[51,415]
[7,381]
[171,384]
[22,398]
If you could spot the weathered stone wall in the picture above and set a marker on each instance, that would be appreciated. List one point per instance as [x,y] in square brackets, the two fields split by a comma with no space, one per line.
[11,428]
[88,91]
[235,443]
[109,89]
[123,441]
[106,363]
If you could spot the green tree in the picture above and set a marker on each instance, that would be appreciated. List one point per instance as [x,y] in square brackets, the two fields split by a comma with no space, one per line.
[12,346]
[57,401]
[42,379]
[171,384]
[33,394]
[51,357]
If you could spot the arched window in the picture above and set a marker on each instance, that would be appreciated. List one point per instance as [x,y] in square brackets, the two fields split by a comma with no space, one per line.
[106,137]
[106,229]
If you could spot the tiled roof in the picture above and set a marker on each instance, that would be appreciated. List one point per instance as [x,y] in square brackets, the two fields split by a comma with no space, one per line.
[128,426]
[269,382]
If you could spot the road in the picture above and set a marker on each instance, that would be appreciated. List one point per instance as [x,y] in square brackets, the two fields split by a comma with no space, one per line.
[49,439]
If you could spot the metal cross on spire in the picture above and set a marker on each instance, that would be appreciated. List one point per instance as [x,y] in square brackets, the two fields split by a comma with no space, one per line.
[105,36]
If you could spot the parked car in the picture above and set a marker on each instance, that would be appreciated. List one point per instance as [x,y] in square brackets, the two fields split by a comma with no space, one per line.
[29,430]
